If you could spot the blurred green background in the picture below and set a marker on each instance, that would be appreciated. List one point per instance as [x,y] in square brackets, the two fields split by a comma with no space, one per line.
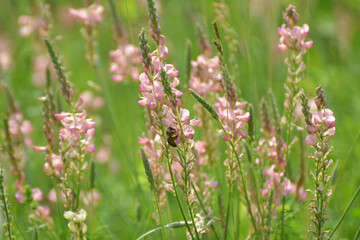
[126,206]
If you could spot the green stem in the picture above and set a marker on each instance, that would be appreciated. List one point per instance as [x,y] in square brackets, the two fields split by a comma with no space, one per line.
[92,215]
[257,191]
[228,210]
[173,182]
[357,234]
[203,208]
[187,195]
[59,208]
[242,180]
[345,212]
[160,217]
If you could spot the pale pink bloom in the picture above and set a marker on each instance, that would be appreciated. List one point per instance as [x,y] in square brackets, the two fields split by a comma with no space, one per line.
[213,184]
[152,89]
[124,63]
[29,24]
[93,198]
[42,212]
[294,37]
[299,193]
[40,64]
[200,147]
[40,148]
[234,118]
[37,194]
[90,102]
[52,196]
[4,55]
[276,182]
[103,155]
[177,168]
[19,196]
[324,118]
[78,130]
[57,164]
[311,139]
[206,75]
[186,124]
[89,16]
[20,127]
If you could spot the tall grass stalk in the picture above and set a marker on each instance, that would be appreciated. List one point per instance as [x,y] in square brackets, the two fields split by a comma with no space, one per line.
[345,212]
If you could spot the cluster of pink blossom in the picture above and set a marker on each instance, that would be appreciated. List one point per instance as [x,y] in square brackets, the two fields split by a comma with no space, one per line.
[151,86]
[39,66]
[270,149]
[124,62]
[54,164]
[78,131]
[200,148]
[184,127]
[89,16]
[29,24]
[4,55]
[205,77]
[36,193]
[91,102]
[235,117]
[293,37]
[323,118]
[280,185]
[20,128]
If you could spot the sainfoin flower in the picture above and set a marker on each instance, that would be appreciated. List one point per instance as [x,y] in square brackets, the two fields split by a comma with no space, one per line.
[89,16]
[124,63]
[235,118]
[185,126]
[78,131]
[29,24]
[294,38]
[152,88]
[291,36]
[320,119]
[206,76]
[277,182]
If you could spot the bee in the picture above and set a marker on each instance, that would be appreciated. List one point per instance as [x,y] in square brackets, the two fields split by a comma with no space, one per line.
[172,135]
